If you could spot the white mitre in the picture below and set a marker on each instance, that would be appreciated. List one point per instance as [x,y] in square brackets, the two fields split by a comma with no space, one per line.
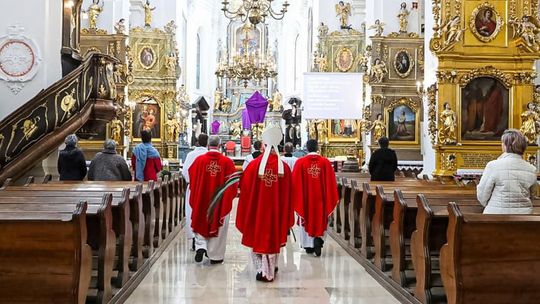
[271,138]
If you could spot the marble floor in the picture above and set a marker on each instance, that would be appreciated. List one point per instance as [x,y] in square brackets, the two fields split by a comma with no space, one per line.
[335,277]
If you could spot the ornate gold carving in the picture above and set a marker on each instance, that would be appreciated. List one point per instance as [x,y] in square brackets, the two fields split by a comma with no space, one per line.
[448,161]
[68,103]
[524,77]
[96,31]
[447,126]
[400,55]
[512,9]
[432,112]
[531,158]
[527,32]
[488,71]
[378,71]
[172,127]
[485,35]
[447,76]
[453,32]
[404,101]
[530,125]
[377,99]
[102,92]
[421,57]
[29,127]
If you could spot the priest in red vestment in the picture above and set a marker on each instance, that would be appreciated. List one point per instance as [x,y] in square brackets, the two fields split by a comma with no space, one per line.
[265,211]
[316,197]
[208,173]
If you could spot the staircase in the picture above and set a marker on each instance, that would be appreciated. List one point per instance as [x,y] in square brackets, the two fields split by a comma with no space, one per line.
[79,101]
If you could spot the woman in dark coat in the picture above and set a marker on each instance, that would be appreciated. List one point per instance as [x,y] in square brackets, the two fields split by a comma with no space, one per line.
[71,162]
[383,162]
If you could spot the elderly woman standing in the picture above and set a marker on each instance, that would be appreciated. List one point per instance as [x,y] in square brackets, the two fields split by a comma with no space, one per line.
[508,183]
[107,165]
[71,162]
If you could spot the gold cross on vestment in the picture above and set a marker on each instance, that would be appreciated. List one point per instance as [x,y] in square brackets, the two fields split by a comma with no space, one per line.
[213,168]
[314,171]
[269,178]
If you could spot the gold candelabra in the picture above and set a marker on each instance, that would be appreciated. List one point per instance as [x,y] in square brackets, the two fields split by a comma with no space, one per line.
[255,11]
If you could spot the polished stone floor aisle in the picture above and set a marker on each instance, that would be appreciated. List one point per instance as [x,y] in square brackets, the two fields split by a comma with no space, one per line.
[335,277]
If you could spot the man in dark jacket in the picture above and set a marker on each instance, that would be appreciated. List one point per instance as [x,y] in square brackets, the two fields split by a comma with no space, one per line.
[71,162]
[109,166]
[383,162]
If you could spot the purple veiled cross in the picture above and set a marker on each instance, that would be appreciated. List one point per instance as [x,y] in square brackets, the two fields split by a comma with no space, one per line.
[215,127]
[246,123]
[256,107]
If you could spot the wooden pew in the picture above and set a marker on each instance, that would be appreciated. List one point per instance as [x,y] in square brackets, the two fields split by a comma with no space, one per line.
[491,258]
[44,257]
[120,219]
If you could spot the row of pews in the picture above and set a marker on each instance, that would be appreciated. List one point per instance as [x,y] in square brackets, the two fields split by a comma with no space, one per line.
[428,242]
[77,242]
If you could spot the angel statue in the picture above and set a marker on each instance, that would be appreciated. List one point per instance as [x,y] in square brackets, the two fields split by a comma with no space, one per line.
[321,62]
[378,70]
[344,11]
[378,27]
[526,30]
[217,100]
[378,128]
[529,126]
[236,129]
[403,16]
[120,26]
[148,13]
[323,30]
[94,10]
[453,31]
[447,131]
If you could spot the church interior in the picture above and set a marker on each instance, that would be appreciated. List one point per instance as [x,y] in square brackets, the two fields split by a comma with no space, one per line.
[448,88]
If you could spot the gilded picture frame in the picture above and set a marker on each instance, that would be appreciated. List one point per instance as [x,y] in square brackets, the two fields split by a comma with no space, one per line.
[402,119]
[147,56]
[485,22]
[343,130]
[344,59]
[145,107]
[403,63]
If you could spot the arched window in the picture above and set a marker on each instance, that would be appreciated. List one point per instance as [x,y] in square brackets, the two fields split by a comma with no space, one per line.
[198,72]
[296,42]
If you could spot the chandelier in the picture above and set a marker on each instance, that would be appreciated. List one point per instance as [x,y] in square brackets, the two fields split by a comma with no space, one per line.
[255,11]
[247,64]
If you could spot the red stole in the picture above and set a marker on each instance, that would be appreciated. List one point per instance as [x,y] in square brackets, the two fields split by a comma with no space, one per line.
[316,195]
[208,172]
[265,212]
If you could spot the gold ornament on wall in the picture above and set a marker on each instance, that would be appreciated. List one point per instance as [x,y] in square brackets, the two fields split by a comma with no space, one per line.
[485,22]
[116,127]
[378,128]
[447,126]
[530,125]
[448,161]
[378,71]
[432,112]
[453,32]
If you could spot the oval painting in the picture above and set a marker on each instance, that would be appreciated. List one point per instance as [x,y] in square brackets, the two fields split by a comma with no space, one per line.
[147,57]
[485,22]
[344,59]
[403,63]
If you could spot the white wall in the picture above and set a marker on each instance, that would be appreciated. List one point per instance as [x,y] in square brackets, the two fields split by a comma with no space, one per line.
[42,21]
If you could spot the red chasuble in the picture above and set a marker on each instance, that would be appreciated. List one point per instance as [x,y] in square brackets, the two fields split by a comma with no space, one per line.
[316,195]
[265,211]
[208,172]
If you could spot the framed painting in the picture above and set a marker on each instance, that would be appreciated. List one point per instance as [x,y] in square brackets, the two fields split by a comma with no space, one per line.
[343,130]
[344,59]
[147,57]
[485,22]
[147,116]
[484,109]
[402,122]
[403,63]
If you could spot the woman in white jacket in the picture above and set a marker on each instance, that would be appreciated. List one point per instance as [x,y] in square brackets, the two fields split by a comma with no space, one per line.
[509,182]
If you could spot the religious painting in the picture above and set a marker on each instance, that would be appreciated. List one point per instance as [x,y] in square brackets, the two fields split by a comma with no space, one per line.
[485,22]
[147,116]
[402,121]
[403,63]
[344,130]
[344,59]
[253,36]
[147,57]
[484,109]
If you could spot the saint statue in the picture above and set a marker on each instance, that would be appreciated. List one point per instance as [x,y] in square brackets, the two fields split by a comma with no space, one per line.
[378,128]
[148,13]
[116,126]
[323,30]
[453,31]
[530,123]
[378,70]
[93,13]
[217,100]
[526,30]
[322,63]
[378,27]
[170,63]
[447,131]
[226,105]
[320,125]
[312,129]
[403,16]
[172,128]
[120,26]
[276,101]
[344,11]
[236,129]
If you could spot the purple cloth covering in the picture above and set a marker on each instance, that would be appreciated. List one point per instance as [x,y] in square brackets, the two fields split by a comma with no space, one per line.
[256,107]
[246,123]
[215,127]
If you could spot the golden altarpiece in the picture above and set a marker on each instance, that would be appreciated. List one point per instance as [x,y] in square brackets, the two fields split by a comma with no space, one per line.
[153,95]
[340,51]
[396,65]
[485,80]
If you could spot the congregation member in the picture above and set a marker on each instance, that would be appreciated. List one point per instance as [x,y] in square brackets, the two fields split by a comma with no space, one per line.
[288,156]
[71,161]
[257,146]
[107,165]
[209,172]
[145,160]
[383,162]
[509,182]
[265,211]
[316,198]
[200,149]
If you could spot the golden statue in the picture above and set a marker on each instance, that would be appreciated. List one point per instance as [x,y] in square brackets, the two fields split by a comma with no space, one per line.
[323,30]
[526,30]
[344,11]
[226,105]
[275,102]
[321,62]
[236,129]
[116,127]
[378,128]
[170,63]
[447,129]
[403,18]
[217,100]
[453,31]
[93,13]
[312,129]
[172,127]
[148,13]
[378,70]
[320,125]
[530,123]
[378,27]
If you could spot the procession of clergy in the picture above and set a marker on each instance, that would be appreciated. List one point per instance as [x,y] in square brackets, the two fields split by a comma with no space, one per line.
[266,205]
